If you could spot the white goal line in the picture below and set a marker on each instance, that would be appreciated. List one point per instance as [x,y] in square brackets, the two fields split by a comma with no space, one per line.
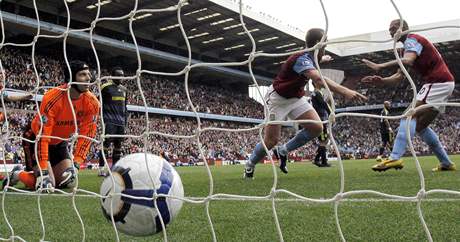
[351,200]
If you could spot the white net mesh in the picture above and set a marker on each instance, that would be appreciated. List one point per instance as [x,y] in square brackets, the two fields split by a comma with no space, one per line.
[342,195]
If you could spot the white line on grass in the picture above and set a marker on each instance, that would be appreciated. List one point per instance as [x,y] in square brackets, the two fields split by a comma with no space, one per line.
[358,200]
[352,200]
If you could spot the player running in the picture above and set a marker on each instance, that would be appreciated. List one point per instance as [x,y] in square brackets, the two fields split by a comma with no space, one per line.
[285,98]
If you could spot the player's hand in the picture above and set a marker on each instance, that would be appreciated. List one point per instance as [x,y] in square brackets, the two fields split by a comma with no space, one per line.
[44,182]
[372,65]
[326,58]
[372,80]
[392,133]
[351,95]
[28,96]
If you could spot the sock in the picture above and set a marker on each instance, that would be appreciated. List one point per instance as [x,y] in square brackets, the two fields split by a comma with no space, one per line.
[27,178]
[101,159]
[299,140]
[116,156]
[381,150]
[399,147]
[323,155]
[432,140]
[43,165]
[257,155]
[318,154]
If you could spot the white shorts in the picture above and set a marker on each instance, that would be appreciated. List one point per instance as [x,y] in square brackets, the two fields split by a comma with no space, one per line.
[436,93]
[280,108]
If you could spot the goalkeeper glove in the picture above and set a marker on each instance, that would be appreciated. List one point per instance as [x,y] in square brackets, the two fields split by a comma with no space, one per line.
[44,182]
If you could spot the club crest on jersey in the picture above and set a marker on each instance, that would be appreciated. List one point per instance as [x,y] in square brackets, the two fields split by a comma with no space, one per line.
[307,63]
[44,119]
[410,44]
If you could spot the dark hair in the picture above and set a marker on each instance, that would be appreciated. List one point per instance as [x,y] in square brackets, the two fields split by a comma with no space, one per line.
[313,37]
[75,66]
[405,25]
[115,70]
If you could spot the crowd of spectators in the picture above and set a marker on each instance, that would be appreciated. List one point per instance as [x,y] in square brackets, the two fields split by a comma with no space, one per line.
[159,92]
[356,137]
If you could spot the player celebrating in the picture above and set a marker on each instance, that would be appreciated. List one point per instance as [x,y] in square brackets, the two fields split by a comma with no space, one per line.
[386,133]
[285,98]
[115,114]
[58,121]
[438,85]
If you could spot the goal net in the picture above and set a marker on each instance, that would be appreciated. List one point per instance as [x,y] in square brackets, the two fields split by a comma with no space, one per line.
[84,190]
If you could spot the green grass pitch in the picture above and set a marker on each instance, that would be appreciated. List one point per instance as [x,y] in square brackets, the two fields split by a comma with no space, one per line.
[361,218]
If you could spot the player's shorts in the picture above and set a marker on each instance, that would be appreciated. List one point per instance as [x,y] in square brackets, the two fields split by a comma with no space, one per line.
[387,138]
[114,129]
[56,153]
[281,108]
[436,93]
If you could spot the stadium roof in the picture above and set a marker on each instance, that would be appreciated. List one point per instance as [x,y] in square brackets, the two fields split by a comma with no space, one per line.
[215,34]
[214,31]
[356,48]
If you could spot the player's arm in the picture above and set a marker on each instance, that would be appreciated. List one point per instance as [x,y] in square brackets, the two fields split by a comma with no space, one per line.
[387,123]
[87,127]
[17,98]
[412,49]
[105,95]
[349,94]
[389,80]
[48,110]
[126,107]
[304,66]
[323,103]
[407,60]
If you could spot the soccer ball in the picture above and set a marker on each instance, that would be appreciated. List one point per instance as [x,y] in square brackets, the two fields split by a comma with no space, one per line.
[138,217]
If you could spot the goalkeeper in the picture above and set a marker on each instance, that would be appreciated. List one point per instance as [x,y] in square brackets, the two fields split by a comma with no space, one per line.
[57,120]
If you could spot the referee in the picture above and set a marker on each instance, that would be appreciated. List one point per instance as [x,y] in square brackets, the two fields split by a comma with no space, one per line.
[115,115]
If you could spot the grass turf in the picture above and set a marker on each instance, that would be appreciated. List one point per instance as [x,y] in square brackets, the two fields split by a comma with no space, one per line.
[361,219]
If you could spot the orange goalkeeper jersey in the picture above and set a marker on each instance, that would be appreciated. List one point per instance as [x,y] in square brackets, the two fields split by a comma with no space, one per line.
[58,121]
